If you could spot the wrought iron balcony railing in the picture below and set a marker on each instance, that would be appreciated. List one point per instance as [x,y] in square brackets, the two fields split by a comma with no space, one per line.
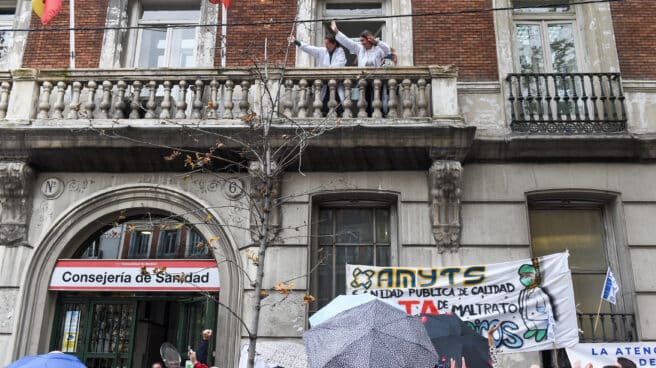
[573,103]
[612,327]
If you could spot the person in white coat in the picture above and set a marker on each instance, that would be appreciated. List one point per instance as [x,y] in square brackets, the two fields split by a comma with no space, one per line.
[329,56]
[371,54]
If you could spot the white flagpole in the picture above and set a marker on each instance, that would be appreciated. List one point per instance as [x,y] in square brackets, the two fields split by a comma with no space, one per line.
[71,33]
[224,34]
[594,329]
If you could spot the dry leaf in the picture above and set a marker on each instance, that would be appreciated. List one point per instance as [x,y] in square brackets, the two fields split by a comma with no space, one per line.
[173,155]
[307,299]
[264,293]
[213,239]
[144,270]
[179,226]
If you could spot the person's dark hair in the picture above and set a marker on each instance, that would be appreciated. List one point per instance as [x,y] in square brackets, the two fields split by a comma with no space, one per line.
[331,38]
[366,34]
[626,363]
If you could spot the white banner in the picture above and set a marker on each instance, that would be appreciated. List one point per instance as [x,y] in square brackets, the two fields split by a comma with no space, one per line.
[532,300]
[135,275]
[625,355]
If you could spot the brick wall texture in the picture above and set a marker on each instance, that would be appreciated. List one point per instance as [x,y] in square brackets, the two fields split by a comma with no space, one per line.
[467,40]
[48,50]
[246,43]
[635,37]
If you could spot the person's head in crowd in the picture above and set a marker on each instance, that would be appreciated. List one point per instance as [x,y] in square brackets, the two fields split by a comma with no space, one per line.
[156,365]
[330,42]
[367,39]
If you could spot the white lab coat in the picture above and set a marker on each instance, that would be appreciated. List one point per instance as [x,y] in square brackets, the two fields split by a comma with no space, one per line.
[324,61]
[376,53]
[323,56]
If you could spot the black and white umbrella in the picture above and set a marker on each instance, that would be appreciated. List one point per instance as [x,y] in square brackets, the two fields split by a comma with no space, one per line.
[374,334]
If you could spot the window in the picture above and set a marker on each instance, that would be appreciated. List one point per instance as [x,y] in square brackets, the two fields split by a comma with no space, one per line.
[169,244]
[354,234]
[6,22]
[165,42]
[196,246]
[144,239]
[139,244]
[546,38]
[353,27]
[586,230]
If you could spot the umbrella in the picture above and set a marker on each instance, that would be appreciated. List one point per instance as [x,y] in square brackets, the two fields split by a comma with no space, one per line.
[452,338]
[50,360]
[340,304]
[374,334]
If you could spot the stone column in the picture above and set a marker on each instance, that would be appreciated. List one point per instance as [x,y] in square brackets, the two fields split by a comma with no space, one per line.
[16,178]
[257,195]
[444,91]
[445,183]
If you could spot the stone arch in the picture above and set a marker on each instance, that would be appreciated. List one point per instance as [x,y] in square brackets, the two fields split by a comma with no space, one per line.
[36,310]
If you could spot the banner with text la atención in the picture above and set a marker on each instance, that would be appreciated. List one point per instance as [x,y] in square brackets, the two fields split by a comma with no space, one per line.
[135,275]
[532,300]
[599,355]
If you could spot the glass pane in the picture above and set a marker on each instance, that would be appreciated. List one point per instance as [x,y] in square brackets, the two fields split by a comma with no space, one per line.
[563,52]
[324,292]
[177,15]
[196,247]
[71,330]
[383,256]
[353,9]
[139,243]
[529,44]
[587,292]
[153,46]
[544,6]
[325,226]
[361,255]
[168,243]
[354,226]
[183,45]
[382,225]
[5,41]
[579,231]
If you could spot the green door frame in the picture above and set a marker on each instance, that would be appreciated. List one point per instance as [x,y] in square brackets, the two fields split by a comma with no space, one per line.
[183,325]
[88,305]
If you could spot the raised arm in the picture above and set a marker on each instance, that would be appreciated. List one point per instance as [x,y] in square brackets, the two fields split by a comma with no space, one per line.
[352,46]
[312,50]
[385,47]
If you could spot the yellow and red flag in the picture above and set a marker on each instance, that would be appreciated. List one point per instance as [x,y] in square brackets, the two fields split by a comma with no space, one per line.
[47,9]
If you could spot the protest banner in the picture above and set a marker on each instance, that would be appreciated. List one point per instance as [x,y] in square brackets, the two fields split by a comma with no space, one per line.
[532,300]
[600,355]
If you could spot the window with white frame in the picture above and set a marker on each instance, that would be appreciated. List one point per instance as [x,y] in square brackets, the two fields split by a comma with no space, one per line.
[545,37]
[353,232]
[6,22]
[346,14]
[165,38]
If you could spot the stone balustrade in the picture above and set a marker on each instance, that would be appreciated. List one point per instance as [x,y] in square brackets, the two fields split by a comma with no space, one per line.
[28,95]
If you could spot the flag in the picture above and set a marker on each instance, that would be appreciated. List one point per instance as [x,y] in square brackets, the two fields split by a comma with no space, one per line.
[611,288]
[46,9]
[225,3]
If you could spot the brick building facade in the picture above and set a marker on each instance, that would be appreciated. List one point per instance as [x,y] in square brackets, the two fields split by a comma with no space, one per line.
[499,135]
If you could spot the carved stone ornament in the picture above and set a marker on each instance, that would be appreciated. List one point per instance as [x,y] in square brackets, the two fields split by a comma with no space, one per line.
[258,191]
[15,188]
[445,192]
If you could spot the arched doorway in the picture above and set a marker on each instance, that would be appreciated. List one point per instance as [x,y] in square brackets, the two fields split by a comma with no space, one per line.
[69,237]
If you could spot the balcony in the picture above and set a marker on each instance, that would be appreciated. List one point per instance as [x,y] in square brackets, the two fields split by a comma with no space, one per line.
[411,118]
[213,95]
[566,104]
[612,327]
